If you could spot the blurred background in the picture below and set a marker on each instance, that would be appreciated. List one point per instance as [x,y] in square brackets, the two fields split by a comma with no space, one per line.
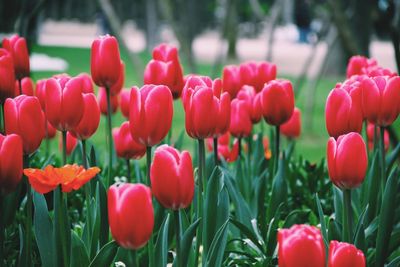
[310,41]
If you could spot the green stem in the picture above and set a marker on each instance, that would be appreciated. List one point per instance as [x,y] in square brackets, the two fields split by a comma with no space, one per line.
[135,258]
[277,141]
[20,86]
[249,152]
[64,145]
[63,205]
[215,147]
[202,185]
[128,170]
[366,135]
[382,155]
[151,242]
[347,216]
[3,123]
[240,147]
[87,189]
[178,238]
[28,229]
[84,157]
[109,135]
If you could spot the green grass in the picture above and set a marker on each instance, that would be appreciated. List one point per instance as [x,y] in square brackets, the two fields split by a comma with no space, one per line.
[311,145]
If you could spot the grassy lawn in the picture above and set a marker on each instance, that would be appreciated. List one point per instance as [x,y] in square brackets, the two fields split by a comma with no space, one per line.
[311,145]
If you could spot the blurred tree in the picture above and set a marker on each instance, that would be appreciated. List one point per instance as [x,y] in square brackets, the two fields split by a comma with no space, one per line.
[151,24]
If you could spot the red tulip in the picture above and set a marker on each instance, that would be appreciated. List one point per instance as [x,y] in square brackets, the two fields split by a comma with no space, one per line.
[124,97]
[172,178]
[130,214]
[207,111]
[343,111]
[225,150]
[257,74]
[27,86]
[87,86]
[231,80]
[370,137]
[165,69]
[277,101]
[117,87]
[40,93]
[50,130]
[253,99]
[358,65]
[7,81]
[24,116]
[380,99]
[72,142]
[240,125]
[150,114]
[292,128]
[10,162]
[105,61]
[375,71]
[301,246]
[102,99]
[347,160]
[90,119]
[16,46]
[64,102]
[345,255]
[125,146]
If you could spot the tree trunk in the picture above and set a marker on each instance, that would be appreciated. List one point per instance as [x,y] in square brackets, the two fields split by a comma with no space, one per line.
[151,25]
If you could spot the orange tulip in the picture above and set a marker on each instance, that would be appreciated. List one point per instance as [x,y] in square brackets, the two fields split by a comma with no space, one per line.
[70,177]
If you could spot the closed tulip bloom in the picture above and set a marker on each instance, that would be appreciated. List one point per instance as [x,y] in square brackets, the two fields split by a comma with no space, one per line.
[249,94]
[23,115]
[64,102]
[27,86]
[72,142]
[125,146]
[102,100]
[380,99]
[345,255]
[16,46]
[347,160]
[371,133]
[301,246]
[50,131]
[87,86]
[207,111]
[171,175]
[7,74]
[240,125]
[117,87]
[105,61]
[231,82]
[257,74]
[124,98]
[292,128]
[130,214]
[358,65]
[10,162]
[150,113]
[343,111]
[277,102]
[40,93]
[90,119]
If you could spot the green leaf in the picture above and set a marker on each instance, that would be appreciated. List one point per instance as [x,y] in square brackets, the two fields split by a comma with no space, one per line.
[249,234]
[217,248]
[106,255]
[374,185]
[79,255]
[391,158]
[322,222]
[179,141]
[43,228]
[161,248]
[386,218]
[273,232]
[394,263]
[187,240]
[338,204]
[279,190]
[359,233]
[103,212]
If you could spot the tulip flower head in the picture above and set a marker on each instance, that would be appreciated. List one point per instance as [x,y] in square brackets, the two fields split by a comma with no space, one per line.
[301,246]
[172,178]
[292,128]
[18,49]
[130,214]
[225,150]
[7,74]
[257,74]
[10,162]
[125,146]
[371,133]
[87,86]
[102,100]
[343,254]
[231,82]
[241,124]
[358,65]
[90,119]
[248,93]
[70,177]
[124,98]
[347,160]
[27,87]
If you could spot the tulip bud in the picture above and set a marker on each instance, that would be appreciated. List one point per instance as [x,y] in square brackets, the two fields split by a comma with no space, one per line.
[297,241]
[23,115]
[10,162]
[207,111]
[347,160]
[150,114]
[257,74]
[380,99]
[277,101]
[248,93]
[7,81]
[172,178]
[16,46]
[90,119]
[72,142]
[64,102]
[343,111]
[87,84]
[240,125]
[358,65]
[102,100]
[125,146]
[40,93]
[124,98]
[231,80]
[105,61]
[26,87]
[130,214]
[117,87]
[292,128]
[345,255]
[50,130]
[371,134]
